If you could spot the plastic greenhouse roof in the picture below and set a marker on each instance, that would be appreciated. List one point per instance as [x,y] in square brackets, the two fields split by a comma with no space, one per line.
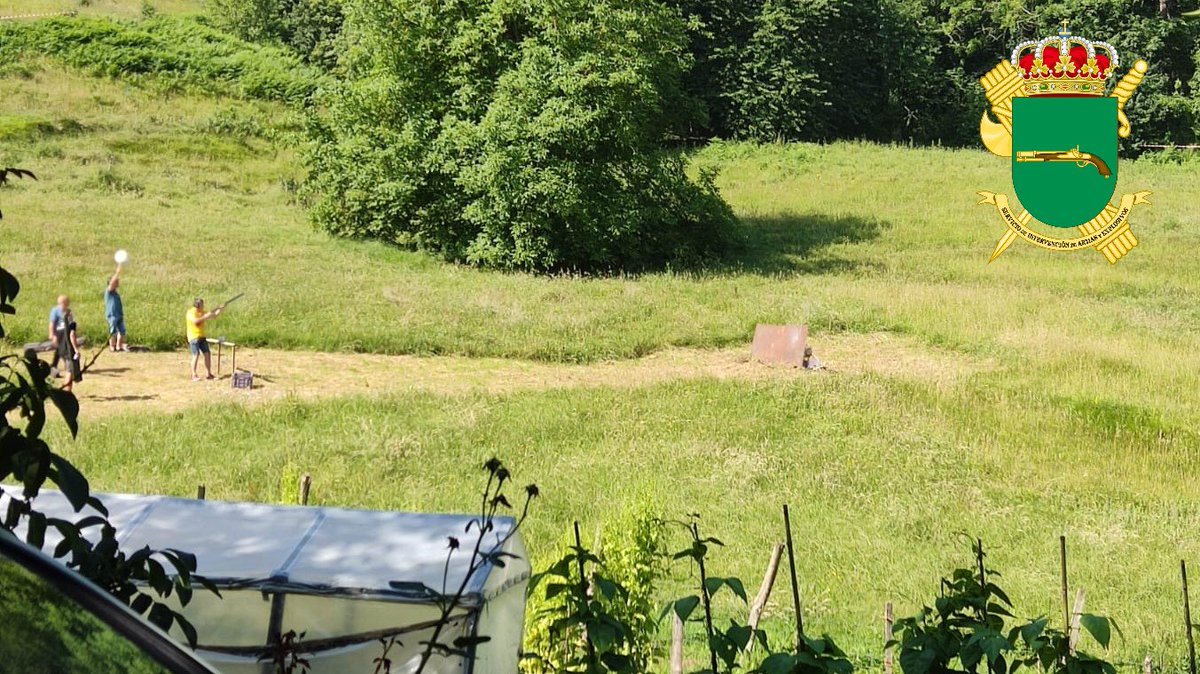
[302,549]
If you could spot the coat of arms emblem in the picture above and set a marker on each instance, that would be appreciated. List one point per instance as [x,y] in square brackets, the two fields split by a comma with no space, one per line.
[1060,125]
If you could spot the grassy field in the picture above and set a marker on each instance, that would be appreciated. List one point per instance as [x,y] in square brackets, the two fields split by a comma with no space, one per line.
[1082,423]
[833,238]
[118,8]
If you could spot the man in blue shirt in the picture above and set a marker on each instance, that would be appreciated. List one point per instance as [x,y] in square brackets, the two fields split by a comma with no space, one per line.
[114,311]
[56,315]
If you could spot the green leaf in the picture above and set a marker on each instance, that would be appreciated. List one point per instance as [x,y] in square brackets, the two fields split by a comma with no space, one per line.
[1098,627]
[141,603]
[68,406]
[189,632]
[70,481]
[917,661]
[603,635]
[997,609]
[994,589]
[35,530]
[616,662]
[735,584]
[685,606]
[607,588]
[1031,631]
[777,663]
[740,635]
[712,584]
[161,616]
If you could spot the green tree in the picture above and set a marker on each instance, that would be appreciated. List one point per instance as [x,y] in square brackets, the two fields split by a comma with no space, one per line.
[310,28]
[517,135]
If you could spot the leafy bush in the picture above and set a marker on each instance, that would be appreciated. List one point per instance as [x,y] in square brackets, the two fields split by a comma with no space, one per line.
[626,570]
[179,52]
[310,28]
[517,137]
[965,632]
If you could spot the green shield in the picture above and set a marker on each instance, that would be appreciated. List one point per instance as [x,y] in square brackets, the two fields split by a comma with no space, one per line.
[1062,148]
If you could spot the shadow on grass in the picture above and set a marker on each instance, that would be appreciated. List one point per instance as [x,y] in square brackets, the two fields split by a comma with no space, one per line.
[797,244]
[125,398]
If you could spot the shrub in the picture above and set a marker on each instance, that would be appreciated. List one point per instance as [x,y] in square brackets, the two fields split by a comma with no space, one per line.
[310,28]
[630,562]
[517,137]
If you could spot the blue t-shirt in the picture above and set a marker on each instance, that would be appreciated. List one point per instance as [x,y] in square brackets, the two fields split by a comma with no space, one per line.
[112,305]
[55,315]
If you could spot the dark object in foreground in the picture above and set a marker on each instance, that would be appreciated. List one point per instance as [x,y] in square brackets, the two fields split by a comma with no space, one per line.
[94,626]
[47,346]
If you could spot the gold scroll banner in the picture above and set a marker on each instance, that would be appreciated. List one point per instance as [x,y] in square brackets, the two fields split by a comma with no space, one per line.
[1108,232]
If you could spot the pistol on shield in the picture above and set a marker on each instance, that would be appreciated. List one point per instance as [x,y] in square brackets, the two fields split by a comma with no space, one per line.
[1081,159]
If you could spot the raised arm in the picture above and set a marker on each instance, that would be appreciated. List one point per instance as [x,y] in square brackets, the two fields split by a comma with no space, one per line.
[112,281]
[209,316]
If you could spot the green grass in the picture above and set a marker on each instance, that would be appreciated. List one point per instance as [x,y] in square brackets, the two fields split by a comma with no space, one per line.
[843,237]
[168,53]
[118,8]
[881,475]
[1084,426]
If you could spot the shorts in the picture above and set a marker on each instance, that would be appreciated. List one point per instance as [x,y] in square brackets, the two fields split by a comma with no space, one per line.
[116,326]
[197,346]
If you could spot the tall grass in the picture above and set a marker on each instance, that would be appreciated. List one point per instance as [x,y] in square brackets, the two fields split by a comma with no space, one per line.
[170,53]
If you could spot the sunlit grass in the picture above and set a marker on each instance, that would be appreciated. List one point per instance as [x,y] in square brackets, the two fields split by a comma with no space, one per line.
[1086,426]
[117,8]
[881,475]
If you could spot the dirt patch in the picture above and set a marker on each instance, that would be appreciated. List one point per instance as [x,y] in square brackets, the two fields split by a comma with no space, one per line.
[160,382]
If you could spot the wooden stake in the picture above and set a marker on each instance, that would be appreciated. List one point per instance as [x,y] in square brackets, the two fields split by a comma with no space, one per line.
[1187,619]
[787,525]
[1062,554]
[1148,665]
[888,621]
[583,587]
[1076,620]
[676,644]
[764,591]
[200,492]
[305,483]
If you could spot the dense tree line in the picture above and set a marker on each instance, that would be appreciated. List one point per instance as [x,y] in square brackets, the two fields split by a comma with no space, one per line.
[887,70]
[536,134]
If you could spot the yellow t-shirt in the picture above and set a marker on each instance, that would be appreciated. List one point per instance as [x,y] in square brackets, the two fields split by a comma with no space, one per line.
[194,330]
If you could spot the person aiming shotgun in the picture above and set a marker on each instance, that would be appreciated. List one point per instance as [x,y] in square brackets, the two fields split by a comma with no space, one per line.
[197,344]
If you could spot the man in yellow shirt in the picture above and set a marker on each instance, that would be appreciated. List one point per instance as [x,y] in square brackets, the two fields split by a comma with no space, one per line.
[196,318]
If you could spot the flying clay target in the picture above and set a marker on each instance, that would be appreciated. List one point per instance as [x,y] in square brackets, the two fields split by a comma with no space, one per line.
[121,257]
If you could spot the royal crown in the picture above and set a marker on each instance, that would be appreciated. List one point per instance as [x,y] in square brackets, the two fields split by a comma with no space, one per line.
[1065,65]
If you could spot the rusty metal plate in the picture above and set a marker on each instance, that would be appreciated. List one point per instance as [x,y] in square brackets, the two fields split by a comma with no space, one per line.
[780,344]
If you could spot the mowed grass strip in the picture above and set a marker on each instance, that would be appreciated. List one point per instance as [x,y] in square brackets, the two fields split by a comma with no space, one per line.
[846,237]
[882,475]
